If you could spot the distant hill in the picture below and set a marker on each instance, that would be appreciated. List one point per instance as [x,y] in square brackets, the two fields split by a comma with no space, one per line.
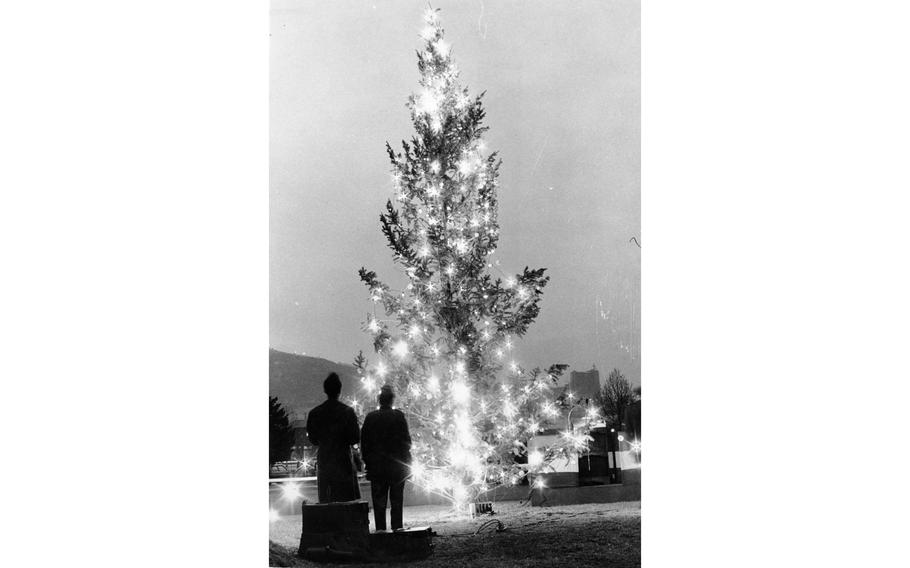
[297,380]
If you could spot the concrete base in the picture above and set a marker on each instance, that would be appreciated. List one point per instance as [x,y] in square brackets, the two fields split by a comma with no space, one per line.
[339,532]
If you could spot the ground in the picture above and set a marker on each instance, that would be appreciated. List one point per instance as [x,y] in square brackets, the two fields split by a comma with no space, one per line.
[606,534]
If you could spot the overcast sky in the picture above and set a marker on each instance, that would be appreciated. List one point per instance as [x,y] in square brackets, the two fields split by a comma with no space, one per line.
[563,107]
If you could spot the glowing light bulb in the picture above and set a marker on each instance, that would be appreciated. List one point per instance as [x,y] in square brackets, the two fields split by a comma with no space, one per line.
[499,353]
[433,191]
[450,270]
[461,392]
[381,369]
[434,166]
[418,470]
[464,167]
[514,366]
[535,458]
[427,103]
[415,330]
[374,326]
[435,351]
[442,48]
[459,367]
[534,427]
[400,349]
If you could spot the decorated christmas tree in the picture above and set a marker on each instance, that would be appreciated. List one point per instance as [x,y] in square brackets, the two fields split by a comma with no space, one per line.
[445,342]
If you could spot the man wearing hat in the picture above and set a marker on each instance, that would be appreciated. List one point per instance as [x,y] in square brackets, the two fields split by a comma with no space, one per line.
[332,427]
[385,443]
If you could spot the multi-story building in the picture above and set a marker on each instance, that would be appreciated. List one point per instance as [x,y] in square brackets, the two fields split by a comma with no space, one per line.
[584,384]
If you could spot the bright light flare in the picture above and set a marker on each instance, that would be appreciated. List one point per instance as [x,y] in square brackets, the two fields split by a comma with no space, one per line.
[401,349]
[461,392]
[442,48]
[290,491]
[426,103]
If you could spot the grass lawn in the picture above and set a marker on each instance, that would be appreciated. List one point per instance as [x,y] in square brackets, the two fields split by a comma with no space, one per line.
[607,534]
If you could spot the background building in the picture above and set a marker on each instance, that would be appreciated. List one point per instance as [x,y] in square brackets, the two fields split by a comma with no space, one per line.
[585,384]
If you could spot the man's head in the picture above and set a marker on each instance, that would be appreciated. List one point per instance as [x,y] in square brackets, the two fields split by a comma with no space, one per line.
[386,395]
[332,386]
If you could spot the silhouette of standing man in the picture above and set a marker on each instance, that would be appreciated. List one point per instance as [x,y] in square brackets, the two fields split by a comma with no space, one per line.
[332,427]
[386,446]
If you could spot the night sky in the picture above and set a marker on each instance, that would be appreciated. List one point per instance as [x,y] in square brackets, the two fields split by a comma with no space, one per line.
[563,107]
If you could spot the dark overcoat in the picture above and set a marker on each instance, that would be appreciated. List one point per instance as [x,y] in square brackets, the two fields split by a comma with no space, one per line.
[332,428]
[385,443]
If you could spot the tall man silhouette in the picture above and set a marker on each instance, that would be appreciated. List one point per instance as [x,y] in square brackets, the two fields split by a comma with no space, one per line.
[385,443]
[332,427]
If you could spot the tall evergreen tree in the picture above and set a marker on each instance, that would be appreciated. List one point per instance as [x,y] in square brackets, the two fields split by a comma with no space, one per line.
[445,342]
[281,435]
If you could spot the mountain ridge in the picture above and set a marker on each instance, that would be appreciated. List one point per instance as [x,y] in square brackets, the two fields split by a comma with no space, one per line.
[297,380]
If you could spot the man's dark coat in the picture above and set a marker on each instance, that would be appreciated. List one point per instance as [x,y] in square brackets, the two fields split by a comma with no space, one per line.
[385,444]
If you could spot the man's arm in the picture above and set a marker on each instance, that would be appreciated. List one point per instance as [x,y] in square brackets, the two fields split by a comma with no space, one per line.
[405,433]
[311,429]
[366,439]
[353,429]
